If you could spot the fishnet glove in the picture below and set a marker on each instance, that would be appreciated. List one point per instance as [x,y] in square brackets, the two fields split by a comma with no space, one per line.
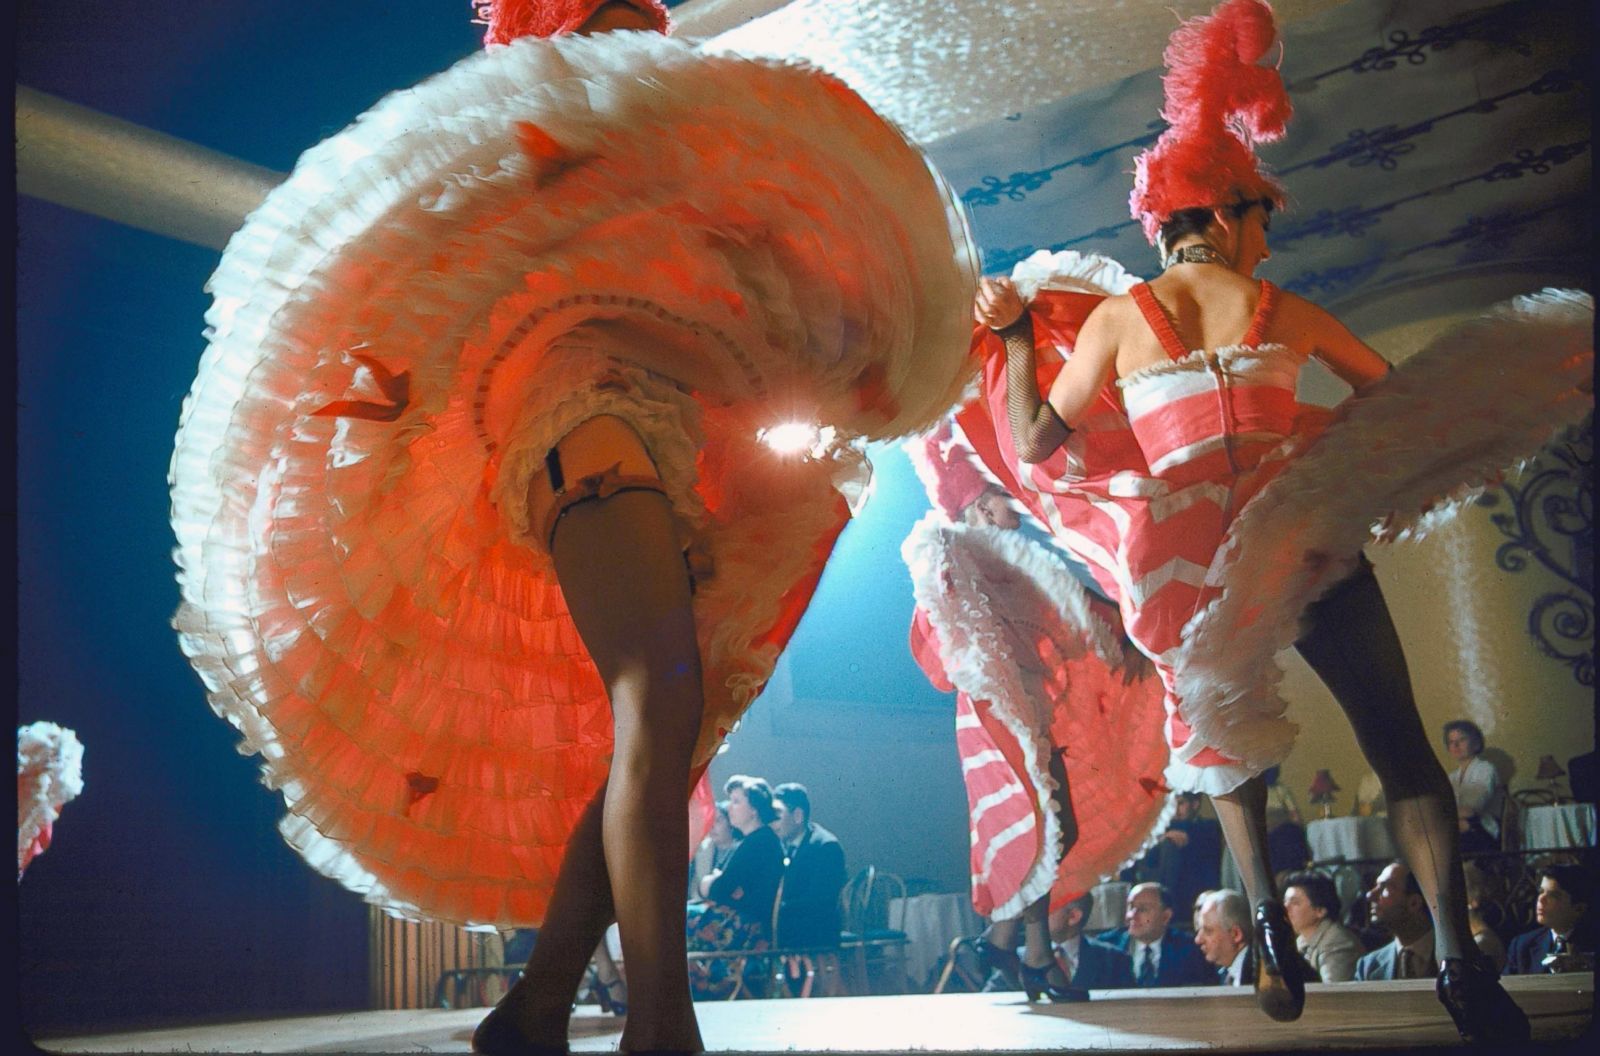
[1036,428]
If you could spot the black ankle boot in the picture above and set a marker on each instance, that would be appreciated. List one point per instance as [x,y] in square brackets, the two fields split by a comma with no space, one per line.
[1483,1012]
[1038,984]
[1280,973]
[993,958]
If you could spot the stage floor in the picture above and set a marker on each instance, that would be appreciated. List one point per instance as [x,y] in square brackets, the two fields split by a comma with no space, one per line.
[1347,1016]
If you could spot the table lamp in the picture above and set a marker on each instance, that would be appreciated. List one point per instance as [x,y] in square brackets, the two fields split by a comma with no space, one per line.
[1550,772]
[1323,786]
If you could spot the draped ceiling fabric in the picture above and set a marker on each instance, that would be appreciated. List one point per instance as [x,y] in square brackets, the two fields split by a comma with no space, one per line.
[1439,158]
[937,67]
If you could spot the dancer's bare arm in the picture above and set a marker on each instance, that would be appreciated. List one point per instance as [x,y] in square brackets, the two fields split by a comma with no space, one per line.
[1089,367]
[1304,325]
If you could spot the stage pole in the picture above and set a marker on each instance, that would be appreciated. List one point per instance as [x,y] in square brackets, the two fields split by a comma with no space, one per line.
[107,167]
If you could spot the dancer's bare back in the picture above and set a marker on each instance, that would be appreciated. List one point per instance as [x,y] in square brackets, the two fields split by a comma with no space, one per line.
[1211,307]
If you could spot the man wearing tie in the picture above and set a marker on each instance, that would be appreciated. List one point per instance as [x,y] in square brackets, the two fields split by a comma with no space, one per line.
[1161,955]
[1222,930]
[1396,904]
[1564,935]
[1087,964]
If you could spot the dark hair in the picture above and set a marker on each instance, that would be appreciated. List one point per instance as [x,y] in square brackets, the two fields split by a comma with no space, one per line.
[1198,220]
[1575,880]
[793,795]
[1084,904]
[756,790]
[1474,735]
[1320,891]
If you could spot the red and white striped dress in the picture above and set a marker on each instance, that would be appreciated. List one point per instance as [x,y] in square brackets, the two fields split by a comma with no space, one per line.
[1035,662]
[1214,508]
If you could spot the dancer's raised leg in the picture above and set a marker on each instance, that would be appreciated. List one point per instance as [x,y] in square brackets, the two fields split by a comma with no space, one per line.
[1353,647]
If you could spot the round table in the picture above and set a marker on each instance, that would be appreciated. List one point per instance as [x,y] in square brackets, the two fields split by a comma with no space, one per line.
[1558,825]
[1350,839]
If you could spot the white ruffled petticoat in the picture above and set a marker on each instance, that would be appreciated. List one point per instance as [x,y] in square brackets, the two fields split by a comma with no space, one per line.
[398,337]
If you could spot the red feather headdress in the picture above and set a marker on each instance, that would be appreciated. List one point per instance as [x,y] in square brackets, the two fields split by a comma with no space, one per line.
[510,19]
[1219,105]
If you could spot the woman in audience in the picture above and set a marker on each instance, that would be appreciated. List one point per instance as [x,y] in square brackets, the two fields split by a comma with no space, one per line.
[1480,798]
[737,911]
[713,853]
[1311,903]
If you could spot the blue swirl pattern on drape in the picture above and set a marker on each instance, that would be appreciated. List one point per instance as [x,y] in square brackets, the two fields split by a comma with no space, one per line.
[1551,522]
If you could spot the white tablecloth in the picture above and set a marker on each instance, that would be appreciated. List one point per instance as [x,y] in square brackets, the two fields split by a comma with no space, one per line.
[1350,839]
[1566,825]
[931,923]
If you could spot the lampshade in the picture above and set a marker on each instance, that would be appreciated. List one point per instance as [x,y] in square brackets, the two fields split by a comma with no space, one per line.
[1323,786]
[1549,769]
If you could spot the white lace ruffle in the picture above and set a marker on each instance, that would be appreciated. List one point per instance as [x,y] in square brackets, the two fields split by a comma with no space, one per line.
[49,774]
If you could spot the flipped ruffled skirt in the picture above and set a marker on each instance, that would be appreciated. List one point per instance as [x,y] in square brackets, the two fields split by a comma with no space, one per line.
[704,246]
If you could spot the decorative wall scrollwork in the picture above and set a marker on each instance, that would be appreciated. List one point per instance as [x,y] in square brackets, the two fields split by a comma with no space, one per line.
[1551,521]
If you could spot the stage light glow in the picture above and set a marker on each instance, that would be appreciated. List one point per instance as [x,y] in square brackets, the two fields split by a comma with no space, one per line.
[791,438]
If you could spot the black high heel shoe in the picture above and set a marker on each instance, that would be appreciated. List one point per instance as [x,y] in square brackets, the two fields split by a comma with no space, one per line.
[1280,974]
[1038,984]
[612,996]
[993,958]
[1483,1012]
[497,1035]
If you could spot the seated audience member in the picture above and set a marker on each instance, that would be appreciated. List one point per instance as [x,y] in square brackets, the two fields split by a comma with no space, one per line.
[1480,799]
[1483,935]
[1396,903]
[813,875]
[1288,850]
[1222,930]
[1161,955]
[1564,939]
[737,912]
[1086,963]
[713,853]
[1311,902]
[1188,858]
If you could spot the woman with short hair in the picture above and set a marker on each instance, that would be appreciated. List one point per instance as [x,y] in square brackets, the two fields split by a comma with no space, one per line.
[1311,902]
[736,913]
[1480,797]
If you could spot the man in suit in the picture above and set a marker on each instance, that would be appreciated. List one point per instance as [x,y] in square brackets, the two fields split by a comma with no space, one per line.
[1161,955]
[1565,934]
[1222,930]
[1396,904]
[813,875]
[1087,964]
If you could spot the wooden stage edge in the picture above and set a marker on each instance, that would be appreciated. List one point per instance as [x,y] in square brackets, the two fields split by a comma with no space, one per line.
[1348,1016]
